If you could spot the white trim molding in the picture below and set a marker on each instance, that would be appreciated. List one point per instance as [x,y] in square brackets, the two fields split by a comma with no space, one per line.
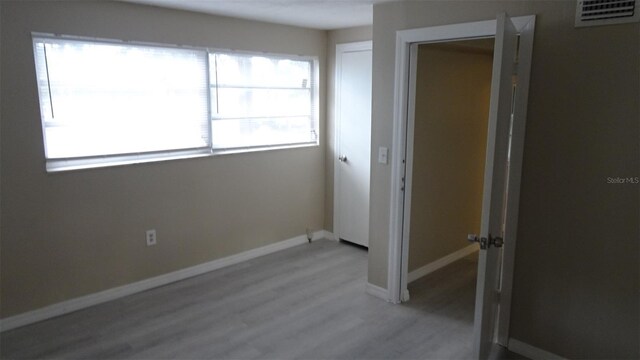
[377,291]
[442,262]
[531,352]
[86,301]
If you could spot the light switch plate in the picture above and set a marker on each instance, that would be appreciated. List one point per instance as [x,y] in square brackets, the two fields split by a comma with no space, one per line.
[383,152]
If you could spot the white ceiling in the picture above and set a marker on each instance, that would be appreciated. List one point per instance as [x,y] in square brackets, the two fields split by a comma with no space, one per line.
[316,14]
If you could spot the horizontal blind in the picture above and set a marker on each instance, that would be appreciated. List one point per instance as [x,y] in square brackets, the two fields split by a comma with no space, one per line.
[260,101]
[99,99]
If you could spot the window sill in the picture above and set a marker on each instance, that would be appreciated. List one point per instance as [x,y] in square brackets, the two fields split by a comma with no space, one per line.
[216,152]
[65,165]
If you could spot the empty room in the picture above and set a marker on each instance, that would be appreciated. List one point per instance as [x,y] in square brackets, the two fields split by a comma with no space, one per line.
[294,179]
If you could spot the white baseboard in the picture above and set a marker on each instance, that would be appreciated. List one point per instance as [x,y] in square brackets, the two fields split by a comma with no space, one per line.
[530,351]
[440,263]
[86,301]
[323,234]
[377,291]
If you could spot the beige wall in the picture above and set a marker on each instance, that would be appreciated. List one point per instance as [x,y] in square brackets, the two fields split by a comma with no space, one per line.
[576,275]
[453,86]
[334,37]
[73,233]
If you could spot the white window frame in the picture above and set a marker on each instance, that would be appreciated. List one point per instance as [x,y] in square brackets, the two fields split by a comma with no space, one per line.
[314,90]
[77,163]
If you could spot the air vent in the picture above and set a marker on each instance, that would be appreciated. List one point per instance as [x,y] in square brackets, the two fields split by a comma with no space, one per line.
[605,12]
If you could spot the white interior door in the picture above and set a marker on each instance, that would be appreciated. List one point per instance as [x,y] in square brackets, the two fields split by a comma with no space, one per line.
[502,29]
[353,142]
[494,185]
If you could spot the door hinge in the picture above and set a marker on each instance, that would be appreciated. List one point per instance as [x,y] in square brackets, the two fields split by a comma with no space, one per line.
[496,296]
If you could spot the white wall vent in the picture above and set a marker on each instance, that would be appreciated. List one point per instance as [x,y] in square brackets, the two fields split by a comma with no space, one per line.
[605,12]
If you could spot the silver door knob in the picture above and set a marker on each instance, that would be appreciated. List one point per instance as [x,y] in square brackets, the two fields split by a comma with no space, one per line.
[481,240]
[342,158]
[496,241]
[486,243]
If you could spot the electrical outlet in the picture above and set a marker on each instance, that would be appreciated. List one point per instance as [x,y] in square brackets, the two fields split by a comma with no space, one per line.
[151,237]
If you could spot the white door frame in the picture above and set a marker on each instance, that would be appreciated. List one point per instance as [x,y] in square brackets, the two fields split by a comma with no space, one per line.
[402,150]
[340,50]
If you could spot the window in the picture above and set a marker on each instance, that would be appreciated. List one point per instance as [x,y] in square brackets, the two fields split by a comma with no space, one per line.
[114,100]
[259,101]
[104,102]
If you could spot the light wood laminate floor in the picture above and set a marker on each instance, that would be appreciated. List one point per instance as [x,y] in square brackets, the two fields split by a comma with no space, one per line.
[307,302]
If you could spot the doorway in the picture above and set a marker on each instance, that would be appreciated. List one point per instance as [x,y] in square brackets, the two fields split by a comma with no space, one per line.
[453,87]
[507,114]
[353,142]
[450,123]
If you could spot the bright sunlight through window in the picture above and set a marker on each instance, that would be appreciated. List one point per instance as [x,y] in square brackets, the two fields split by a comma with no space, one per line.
[260,101]
[105,103]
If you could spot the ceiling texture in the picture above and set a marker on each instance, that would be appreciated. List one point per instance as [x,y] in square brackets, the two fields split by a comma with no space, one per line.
[315,14]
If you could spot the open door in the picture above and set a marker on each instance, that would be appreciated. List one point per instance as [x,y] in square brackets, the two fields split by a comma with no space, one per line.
[513,40]
[495,175]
